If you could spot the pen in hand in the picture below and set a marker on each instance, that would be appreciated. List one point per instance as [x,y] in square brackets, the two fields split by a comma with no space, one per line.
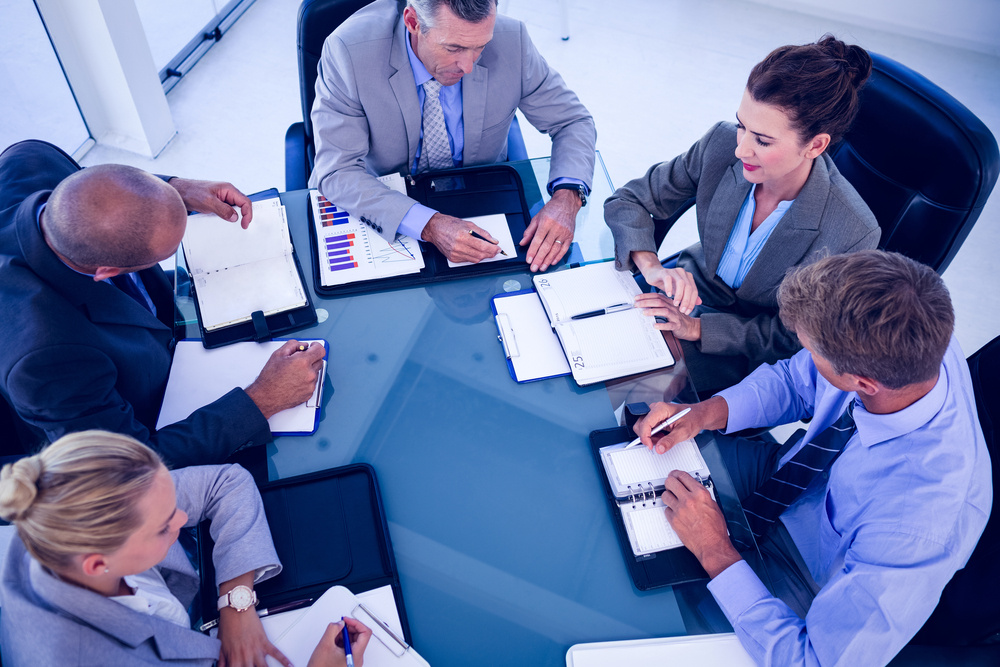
[347,644]
[659,428]
[481,238]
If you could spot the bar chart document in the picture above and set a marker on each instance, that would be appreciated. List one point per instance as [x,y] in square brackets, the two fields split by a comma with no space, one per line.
[349,251]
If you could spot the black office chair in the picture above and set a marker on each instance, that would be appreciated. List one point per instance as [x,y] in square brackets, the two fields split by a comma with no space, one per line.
[317,19]
[965,627]
[923,163]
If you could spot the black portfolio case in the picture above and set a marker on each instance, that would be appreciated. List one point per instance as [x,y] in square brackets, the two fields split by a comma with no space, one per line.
[464,193]
[663,568]
[329,529]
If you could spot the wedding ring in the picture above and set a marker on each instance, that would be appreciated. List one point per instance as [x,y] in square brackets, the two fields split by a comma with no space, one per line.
[559,242]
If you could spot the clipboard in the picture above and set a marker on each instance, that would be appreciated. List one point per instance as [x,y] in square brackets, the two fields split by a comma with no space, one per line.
[329,529]
[655,570]
[199,376]
[465,192]
[532,350]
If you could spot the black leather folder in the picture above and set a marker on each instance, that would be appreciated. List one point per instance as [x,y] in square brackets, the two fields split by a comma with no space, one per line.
[329,529]
[464,193]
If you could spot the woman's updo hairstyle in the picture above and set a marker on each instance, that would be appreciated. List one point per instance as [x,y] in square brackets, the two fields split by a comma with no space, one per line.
[817,85]
[78,495]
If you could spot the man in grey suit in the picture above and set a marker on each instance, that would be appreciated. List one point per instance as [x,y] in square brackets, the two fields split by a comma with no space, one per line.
[387,77]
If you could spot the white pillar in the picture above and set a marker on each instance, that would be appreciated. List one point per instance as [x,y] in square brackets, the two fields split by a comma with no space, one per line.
[103,49]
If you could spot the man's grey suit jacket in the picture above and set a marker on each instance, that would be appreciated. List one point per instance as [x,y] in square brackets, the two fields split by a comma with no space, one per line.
[740,328]
[366,116]
[47,621]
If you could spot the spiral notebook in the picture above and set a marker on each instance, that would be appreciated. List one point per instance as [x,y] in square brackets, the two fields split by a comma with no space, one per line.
[636,476]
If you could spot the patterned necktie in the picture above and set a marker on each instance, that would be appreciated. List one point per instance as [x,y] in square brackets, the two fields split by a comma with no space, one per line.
[789,481]
[435,153]
[125,283]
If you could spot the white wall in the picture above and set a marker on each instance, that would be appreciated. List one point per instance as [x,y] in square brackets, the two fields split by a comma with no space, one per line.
[970,24]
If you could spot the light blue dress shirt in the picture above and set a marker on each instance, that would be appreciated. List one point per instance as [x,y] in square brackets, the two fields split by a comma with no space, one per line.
[413,222]
[743,246]
[897,515]
[134,275]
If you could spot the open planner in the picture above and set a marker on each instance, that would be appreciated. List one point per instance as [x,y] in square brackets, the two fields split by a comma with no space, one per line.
[636,476]
[199,376]
[561,327]
[633,482]
[247,282]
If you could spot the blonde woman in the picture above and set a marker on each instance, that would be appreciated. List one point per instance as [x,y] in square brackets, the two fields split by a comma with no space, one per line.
[95,575]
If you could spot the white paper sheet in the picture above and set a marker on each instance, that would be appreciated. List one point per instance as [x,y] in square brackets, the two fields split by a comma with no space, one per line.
[529,342]
[199,376]
[498,228]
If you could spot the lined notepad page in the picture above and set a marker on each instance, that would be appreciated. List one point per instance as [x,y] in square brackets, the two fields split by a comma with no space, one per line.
[587,288]
[632,467]
[625,342]
[648,529]
[238,271]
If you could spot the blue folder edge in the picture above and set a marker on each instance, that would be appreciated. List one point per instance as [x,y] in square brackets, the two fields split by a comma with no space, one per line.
[503,349]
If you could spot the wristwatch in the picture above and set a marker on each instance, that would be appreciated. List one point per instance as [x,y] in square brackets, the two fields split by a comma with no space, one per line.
[579,189]
[240,598]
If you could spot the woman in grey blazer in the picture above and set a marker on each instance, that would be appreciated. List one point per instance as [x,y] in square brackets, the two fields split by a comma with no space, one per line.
[95,575]
[767,198]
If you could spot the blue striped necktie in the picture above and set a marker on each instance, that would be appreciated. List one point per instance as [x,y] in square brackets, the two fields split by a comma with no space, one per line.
[789,481]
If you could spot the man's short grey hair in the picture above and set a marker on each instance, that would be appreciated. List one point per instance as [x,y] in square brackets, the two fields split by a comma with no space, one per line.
[472,11]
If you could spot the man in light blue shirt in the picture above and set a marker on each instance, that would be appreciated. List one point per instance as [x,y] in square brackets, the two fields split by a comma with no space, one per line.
[879,533]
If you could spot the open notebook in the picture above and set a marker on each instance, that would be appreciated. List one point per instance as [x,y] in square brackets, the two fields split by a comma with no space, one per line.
[199,376]
[636,477]
[534,324]
[238,271]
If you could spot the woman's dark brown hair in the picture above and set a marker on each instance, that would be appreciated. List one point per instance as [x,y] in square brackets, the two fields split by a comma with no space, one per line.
[817,85]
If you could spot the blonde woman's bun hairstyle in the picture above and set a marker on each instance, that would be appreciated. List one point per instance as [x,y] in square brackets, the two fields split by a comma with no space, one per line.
[78,495]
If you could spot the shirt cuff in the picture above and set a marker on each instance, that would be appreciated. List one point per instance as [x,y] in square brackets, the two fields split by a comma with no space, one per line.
[572,181]
[265,572]
[740,409]
[415,220]
[737,589]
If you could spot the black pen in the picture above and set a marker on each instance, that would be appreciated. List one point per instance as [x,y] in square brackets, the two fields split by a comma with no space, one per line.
[477,236]
[603,311]
[277,609]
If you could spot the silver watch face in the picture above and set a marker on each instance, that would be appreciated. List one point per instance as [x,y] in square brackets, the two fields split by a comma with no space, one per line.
[241,598]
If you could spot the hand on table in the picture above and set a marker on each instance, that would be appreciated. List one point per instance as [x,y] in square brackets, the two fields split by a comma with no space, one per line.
[215,197]
[330,650]
[551,230]
[288,378]
[451,236]
[684,327]
[696,518]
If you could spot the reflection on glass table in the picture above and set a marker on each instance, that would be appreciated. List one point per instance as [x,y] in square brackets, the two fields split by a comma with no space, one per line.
[502,536]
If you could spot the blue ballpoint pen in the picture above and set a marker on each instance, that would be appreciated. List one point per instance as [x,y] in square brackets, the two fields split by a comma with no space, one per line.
[603,311]
[347,644]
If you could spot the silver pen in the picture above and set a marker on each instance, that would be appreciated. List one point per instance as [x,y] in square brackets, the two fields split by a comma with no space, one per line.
[659,428]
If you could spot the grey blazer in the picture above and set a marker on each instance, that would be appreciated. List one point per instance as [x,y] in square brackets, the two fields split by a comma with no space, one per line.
[740,328]
[366,117]
[46,621]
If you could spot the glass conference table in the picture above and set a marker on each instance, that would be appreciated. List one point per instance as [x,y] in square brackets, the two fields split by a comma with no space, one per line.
[502,535]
